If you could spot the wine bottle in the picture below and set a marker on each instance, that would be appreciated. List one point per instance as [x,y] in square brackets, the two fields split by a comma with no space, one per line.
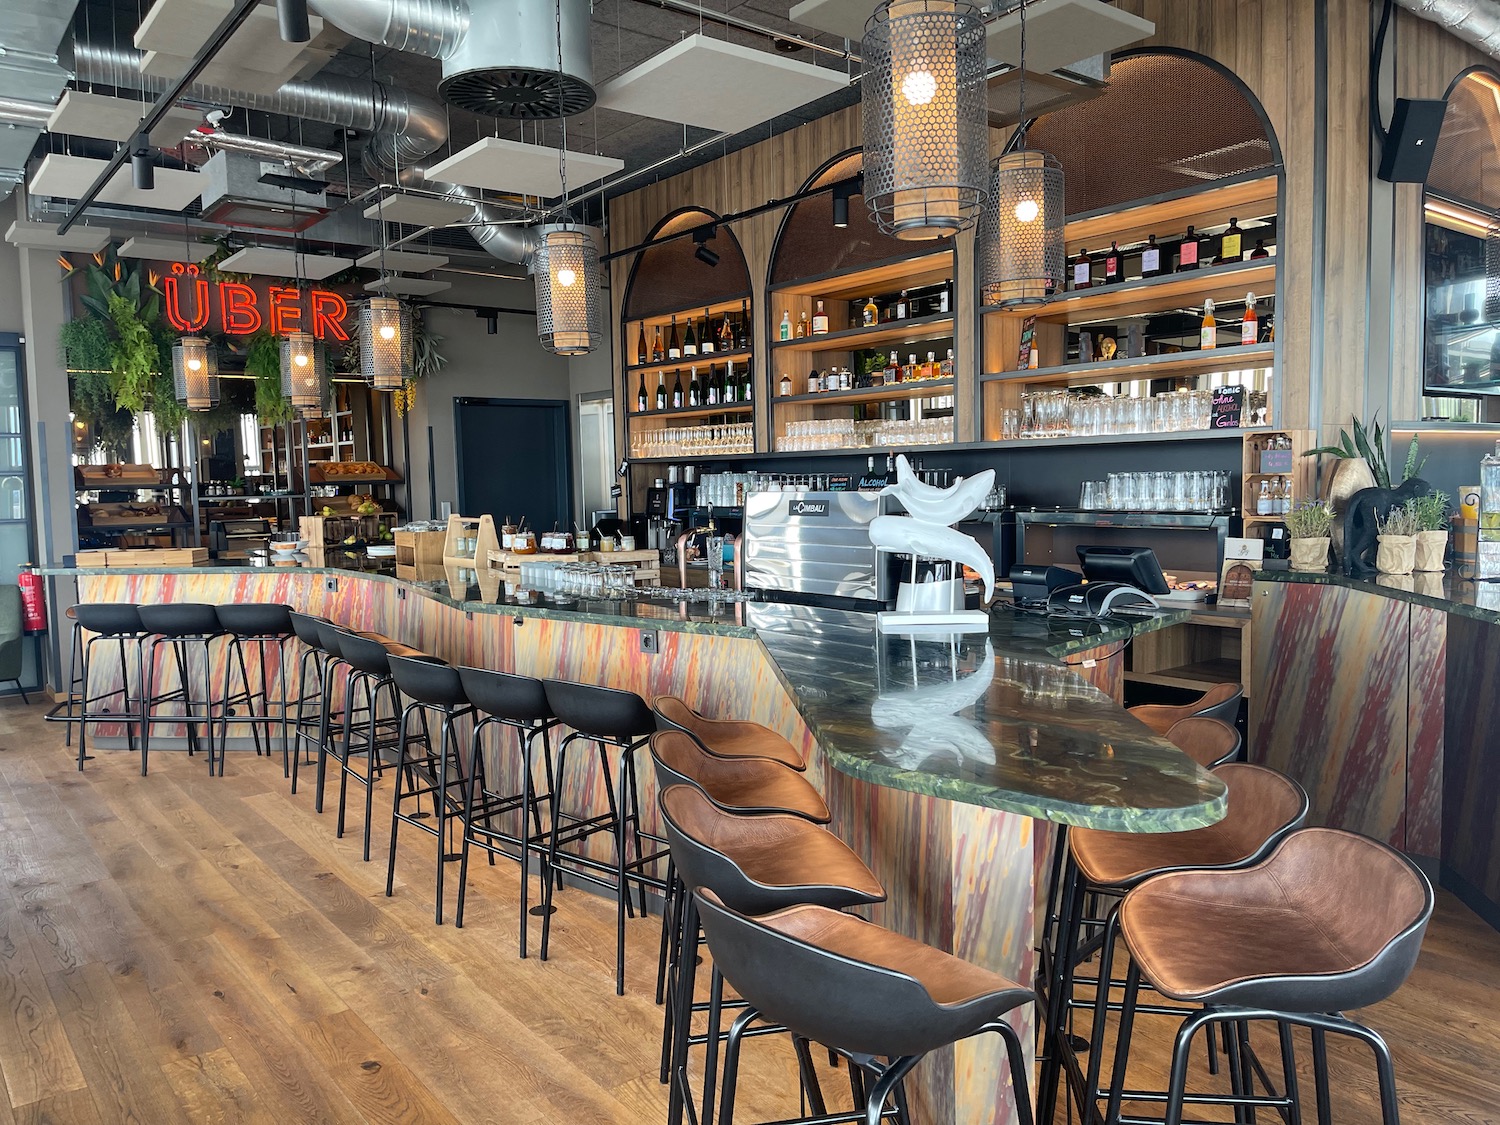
[870,315]
[726,334]
[1150,258]
[674,343]
[742,330]
[1113,274]
[711,392]
[661,388]
[1250,326]
[677,390]
[695,389]
[746,383]
[1187,253]
[1083,270]
[640,397]
[1229,242]
[1208,337]
[690,340]
[820,321]
[786,324]
[706,339]
[657,355]
[641,355]
[890,468]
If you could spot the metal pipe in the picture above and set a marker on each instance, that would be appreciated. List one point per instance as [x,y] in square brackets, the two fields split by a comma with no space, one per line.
[19,111]
[1473,21]
[308,161]
[433,28]
[708,15]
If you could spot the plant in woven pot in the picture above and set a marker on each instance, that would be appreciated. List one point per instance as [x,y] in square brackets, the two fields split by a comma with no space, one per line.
[1309,525]
[1397,552]
[1430,514]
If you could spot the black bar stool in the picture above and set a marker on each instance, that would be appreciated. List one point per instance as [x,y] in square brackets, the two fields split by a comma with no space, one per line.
[881,1000]
[261,626]
[1329,923]
[757,863]
[184,627]
[518,703]
[728,738]
[113,624]
[616,719]
[312,707]
[432,687]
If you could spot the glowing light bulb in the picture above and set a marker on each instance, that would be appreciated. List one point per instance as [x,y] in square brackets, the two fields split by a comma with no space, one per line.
[194,364]
[566,277]
[1027,210]
[919,87]
[300,360]
[387,332]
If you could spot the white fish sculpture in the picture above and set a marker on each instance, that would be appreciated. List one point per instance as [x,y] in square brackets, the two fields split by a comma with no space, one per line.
[907,536]
[945,506]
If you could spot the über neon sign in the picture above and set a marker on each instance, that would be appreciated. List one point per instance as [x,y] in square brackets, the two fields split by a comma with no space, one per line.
[239,308]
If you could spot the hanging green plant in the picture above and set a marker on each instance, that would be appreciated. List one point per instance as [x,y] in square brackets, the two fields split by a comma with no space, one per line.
[427,356]
[87,344]
[263,360]
[135,360]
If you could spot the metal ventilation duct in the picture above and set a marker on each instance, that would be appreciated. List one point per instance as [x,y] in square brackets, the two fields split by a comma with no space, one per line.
[29,73]
[1474,21]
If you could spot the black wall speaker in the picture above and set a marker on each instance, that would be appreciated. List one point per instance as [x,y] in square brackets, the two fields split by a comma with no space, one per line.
[1407,154]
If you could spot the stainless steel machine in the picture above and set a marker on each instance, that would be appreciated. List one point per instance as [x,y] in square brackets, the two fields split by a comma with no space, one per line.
[816,543]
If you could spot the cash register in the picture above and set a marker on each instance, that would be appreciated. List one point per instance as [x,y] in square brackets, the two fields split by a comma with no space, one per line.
[1117,580]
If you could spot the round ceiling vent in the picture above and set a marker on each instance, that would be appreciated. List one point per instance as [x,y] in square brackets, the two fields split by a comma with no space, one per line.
[517,92]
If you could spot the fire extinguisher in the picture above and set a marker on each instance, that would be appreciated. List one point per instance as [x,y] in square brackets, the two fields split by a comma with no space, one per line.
[33,600]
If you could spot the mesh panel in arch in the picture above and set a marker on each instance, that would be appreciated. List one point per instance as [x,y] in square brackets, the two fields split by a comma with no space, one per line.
[810,245]
[1165,124]
[1466,159]
[670,278]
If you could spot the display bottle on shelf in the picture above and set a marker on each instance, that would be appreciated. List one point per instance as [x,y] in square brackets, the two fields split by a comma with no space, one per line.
[820,321]
[1150,258]
[657,354]
[846,379]
[726,334]
[690,340]
[747,384]
[903,307]
[677,391]
[1263,500]
[640,397]
[661,391]
[786,324]
[930,368]
[1250,326]
[706,337]
[947,370]
[1187,252]
[1260,250]
[715,387]
[909,372]
[1083,270]
[890,467]
[893,371]
[814,382]
[1230,242]
[1113,271]
[642,356]
[870,314]
[695,389]
[945,297]
[785,387]
[742,329]
[870,480]
[674,342]
[1208,337]
[802,325]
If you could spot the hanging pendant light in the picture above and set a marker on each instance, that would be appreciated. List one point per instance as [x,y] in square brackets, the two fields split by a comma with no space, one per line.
[195,373]
[926,117]
[385,343]
[304,379]
[1492,274]
[1021,234]
[569,312]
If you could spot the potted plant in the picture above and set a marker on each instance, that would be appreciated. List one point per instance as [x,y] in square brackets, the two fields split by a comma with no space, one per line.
[1309,525]
[1398,543]
[1430,514]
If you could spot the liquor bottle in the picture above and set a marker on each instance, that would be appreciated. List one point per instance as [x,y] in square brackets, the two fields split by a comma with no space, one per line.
[674,343]
[742,329]
[890,466]
[786,384]
[706,337]
[947,370]
[690,341]
[870,480]
[870,315]
[1113,273]
[661,391]
[903,306]
[786,324]
[802,325]
[1229,242]
[930,368]
[846,379]
[1250,326]
[893,371]
[711,392]
[640,397]
[1187,252]
[657,354]
[814,382]
[1150,258]
[909,372]
[726,334]
[820,321]
[1208,337]
[1083,270]
[641,355]
[729,391]
[677,391]
[945,297]
[1260,250]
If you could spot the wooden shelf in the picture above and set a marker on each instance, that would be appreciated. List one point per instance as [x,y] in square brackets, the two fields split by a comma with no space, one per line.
[1195,676]
[917,388]
[696,411]
[682,364]
[1133,439]
[1155,294]
[678,458]
[907,273]
[1144,367]
[716,310]
[910,331]
[1162,218]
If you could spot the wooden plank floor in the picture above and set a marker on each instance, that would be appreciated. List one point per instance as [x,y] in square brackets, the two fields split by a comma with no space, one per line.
[186,949]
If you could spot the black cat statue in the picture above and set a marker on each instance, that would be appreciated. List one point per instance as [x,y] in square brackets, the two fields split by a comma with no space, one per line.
[1360,530]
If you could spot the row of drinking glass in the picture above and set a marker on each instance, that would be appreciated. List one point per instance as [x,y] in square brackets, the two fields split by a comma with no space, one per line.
[1062,413]
[1202,490]
[690,441]
[846,433]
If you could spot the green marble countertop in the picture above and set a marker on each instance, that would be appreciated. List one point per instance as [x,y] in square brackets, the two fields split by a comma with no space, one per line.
[1460,596]
[996,719]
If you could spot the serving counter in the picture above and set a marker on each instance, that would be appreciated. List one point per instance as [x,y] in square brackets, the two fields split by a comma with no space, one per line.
[939,756]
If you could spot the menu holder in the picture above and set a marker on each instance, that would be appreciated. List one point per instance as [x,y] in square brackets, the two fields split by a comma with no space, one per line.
[1242,558]
[1228,408]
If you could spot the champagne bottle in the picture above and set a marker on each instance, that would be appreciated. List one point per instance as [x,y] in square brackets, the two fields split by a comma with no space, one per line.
[674,343]
[730,393]
[657,354]
[677,391]
[1229,242]
[641,355]
[1250,326]
[1209,336]
[1187,253]
[690,340]
[711,392]
[706,338]
[1150,258]
[695,389]
[661,388]
[746,383]
[742,330]
[1083,270]
[640,397]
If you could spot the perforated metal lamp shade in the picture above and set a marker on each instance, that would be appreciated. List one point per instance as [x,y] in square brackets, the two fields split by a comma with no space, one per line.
[925,106]
[385,343]
[304,379]
[195,373]
[1492,275]
[1020,246]
[569,309]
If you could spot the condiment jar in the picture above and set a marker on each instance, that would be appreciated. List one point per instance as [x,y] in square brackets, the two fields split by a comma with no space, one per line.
[507,534]
[523,543]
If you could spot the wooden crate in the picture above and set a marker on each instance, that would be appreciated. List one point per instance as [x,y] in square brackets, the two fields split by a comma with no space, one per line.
[118,558]
[480,528]
[420,548]
[320,531]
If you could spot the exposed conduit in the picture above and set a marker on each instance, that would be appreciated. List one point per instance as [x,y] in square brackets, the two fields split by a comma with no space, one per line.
[1473,21]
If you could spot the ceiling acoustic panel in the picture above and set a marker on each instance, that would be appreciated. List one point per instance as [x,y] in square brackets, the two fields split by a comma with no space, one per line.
[68,177]
[181,27]
[44,236]
[843,18]
[1061,32]
[284,263]
[717,85]
[407,286]
[407,261]
[82,114]
[520,169]
[418,210]
[166,249]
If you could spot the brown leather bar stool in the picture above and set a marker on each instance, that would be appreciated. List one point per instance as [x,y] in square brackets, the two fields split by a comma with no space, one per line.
[1263,806]
[1222,701]
[755,864]
[881,1000]
[740,785]
[1329,922]
[1209,742]
[728,738]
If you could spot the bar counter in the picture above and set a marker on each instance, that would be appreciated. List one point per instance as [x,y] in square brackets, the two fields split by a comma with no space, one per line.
[938,756]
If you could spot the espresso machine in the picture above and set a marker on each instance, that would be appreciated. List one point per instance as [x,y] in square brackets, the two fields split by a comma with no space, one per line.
[669,505]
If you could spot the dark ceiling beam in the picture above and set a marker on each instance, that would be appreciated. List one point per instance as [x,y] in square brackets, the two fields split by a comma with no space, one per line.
[169,96]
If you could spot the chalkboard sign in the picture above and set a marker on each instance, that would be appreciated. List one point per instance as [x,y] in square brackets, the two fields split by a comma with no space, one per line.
[839,482]
[1229,405]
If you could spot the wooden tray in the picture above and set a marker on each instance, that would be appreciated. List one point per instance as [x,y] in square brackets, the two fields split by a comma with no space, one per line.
[117,515]
[124,476]
[119,558]
[329,472]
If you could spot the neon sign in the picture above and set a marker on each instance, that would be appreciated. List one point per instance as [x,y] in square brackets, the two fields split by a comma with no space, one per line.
[192,302]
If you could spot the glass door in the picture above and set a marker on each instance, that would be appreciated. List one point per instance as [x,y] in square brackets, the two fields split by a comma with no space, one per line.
[17,533]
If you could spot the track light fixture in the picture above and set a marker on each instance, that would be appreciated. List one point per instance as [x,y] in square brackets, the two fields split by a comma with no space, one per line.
[491,318]
[702,236]
[292,16]
[142,171]
[842,193]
